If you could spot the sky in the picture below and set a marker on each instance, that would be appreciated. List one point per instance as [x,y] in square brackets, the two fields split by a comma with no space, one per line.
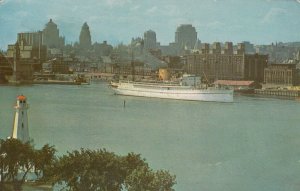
[117,21]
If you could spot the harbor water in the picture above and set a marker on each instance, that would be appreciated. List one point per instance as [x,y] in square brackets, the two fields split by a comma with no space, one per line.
[250,144]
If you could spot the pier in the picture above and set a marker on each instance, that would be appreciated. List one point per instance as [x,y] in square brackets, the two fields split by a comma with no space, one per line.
[278,92]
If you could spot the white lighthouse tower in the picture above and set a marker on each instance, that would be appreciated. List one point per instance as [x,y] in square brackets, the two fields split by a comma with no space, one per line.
[20,127]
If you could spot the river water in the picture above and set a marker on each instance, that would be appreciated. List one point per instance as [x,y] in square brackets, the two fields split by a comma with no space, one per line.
[251,144]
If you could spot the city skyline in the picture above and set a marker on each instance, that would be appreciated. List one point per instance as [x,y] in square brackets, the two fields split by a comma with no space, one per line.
[257,21]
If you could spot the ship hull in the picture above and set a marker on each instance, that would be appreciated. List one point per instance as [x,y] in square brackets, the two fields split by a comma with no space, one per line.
[174,92]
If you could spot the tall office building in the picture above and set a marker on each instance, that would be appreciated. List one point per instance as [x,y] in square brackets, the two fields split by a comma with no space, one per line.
[30,46]
[186,36]
[31,38]
[51,36]
[249,48]
[85,37]
[150,40]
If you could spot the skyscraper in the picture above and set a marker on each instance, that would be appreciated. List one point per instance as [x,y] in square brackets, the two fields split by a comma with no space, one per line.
[186,36]
[30,45]
[31,38]
[85,37]
[149,40]
[51,36]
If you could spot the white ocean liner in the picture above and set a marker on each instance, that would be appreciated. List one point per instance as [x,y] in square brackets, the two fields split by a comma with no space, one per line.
[188,89]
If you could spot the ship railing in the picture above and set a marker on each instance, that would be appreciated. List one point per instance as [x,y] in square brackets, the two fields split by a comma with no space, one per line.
[154,82]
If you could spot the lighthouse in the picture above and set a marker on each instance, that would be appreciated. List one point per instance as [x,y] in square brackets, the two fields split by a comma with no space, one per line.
[20,126]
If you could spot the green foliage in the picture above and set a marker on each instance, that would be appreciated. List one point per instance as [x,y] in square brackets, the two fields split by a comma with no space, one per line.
[43,160]
[89,170]
[17,158]
[100,170]
[146,179]
[140,177]
[83,170]
[133,161]
[163,180]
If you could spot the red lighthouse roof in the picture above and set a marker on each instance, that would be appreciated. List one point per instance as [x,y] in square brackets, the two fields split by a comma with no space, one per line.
[21,98]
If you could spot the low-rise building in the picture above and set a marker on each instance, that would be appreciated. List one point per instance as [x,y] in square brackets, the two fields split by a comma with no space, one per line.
[5,67]
[239,85]
[227,64]
[60,66]
[280,75]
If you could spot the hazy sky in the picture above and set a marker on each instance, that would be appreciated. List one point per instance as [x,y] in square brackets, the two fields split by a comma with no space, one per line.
[257,21]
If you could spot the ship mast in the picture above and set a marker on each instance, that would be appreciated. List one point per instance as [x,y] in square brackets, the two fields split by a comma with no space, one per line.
[132,66]
[206,80]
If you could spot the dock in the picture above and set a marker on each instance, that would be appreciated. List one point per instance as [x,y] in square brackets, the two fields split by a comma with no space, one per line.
[278,92]
[60,82]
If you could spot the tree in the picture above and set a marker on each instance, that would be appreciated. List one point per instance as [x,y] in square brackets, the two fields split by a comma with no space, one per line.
[133,161]
[146,179]
[83,170]
[43,160]
[17,159]
[163,181]
[140,179]
[100,170]
[87,170]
